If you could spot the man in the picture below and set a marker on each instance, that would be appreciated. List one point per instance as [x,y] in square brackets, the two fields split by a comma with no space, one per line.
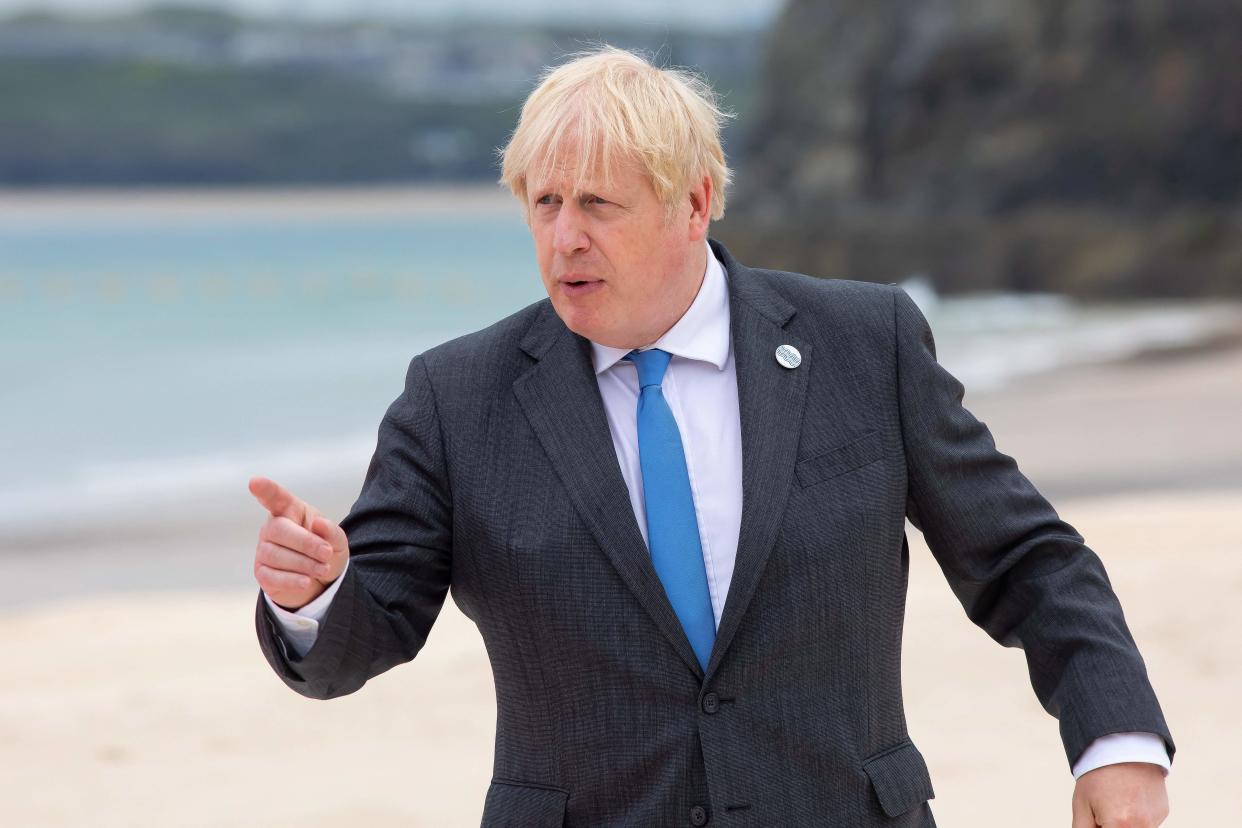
[672,497]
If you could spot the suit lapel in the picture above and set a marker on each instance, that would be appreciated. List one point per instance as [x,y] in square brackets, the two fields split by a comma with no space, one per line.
[561,399]
[771,399]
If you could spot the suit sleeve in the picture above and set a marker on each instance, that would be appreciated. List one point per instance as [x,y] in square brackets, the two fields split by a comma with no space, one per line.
[400,544]
[1021,573]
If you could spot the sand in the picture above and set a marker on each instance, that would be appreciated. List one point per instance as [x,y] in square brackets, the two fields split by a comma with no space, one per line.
[135,693]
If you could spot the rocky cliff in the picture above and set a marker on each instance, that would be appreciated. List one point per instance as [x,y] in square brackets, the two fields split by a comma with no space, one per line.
[1092,147]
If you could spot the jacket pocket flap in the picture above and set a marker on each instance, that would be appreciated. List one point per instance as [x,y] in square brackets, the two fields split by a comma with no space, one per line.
[859,451]
[523,805]
[900,778]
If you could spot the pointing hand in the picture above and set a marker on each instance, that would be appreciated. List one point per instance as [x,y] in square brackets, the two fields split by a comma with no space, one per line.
[300,552]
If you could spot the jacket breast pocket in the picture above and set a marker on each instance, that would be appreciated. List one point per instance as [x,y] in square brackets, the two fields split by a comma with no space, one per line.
[523,805]
[900,778]
[861,450]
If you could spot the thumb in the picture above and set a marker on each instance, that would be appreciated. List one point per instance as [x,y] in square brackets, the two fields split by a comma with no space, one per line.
[330,532]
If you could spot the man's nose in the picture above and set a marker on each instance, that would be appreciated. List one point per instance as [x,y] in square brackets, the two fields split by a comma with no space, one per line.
[570,235]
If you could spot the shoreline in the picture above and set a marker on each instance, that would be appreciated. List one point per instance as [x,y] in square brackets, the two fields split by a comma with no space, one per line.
[1132,429]
[1175,402]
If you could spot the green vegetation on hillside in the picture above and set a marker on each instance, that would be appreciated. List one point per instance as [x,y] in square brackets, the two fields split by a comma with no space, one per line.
[137,121]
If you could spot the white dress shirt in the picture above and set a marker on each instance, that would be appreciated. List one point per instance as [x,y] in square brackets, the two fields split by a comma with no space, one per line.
[700,386]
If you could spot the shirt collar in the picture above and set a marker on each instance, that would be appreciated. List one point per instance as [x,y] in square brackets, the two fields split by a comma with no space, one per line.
[702,333]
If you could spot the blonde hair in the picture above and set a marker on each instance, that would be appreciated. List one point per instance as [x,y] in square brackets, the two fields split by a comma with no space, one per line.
[608,103]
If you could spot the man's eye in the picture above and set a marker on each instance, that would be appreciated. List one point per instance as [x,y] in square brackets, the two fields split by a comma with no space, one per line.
[597,200]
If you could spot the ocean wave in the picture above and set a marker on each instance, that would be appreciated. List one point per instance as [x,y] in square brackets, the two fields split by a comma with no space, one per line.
[119,490]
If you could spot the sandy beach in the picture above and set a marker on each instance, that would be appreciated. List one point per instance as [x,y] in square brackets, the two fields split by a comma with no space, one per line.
[136,695]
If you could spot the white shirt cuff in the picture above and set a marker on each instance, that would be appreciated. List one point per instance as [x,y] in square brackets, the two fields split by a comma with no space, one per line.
[300,628]
[1123,747]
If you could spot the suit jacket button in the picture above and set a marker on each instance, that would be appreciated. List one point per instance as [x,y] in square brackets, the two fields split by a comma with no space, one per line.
[711,703]
[698,815]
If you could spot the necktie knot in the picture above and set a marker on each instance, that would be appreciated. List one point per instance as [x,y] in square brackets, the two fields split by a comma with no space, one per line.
[651,365]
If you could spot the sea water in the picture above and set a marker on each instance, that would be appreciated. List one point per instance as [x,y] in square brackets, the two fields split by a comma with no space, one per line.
[169,347]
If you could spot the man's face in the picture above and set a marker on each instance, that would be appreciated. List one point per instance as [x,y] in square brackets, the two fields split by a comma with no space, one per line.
[618,270]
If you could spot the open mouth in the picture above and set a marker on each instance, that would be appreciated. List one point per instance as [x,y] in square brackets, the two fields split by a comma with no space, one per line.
[575,287]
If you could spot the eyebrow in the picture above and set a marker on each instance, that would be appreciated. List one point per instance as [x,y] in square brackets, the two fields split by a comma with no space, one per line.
[540,192]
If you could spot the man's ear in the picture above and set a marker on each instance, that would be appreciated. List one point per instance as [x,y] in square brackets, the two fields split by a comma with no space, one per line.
[700,208]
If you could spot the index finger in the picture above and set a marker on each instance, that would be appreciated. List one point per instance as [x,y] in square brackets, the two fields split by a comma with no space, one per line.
[277,499]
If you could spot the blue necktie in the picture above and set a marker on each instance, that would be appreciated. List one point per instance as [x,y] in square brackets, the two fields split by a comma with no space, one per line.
[672,530]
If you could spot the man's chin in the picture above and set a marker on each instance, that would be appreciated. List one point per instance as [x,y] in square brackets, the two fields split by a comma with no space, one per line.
[582,322]
[588,325]
[586,331]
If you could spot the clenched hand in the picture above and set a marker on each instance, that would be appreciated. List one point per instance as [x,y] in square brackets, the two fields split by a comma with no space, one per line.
[300,551]
[1124,795]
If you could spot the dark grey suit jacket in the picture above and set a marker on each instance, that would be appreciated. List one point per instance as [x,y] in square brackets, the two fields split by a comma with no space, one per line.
[495,474]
